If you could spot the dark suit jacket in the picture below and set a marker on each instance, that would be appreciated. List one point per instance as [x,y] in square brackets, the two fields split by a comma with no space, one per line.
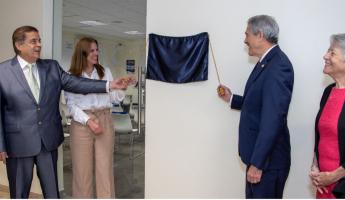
[25,124]
[264,139]
[341,136]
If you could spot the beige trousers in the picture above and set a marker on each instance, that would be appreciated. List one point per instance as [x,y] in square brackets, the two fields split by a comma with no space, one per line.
[90,153]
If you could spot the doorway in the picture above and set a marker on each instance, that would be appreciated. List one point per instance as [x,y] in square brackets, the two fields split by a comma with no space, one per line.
[119,26]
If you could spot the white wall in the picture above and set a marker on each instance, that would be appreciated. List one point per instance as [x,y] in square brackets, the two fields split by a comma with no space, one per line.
[191,135]
[11,19]
[12,15]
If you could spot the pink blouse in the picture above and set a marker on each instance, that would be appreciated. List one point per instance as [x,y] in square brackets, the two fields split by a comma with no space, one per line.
[328,148]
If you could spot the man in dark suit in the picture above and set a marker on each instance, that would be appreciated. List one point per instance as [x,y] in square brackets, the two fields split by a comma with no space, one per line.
[264,141]
[30,122]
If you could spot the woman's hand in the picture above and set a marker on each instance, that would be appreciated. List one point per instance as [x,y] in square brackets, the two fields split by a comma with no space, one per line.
[322,190]
[323,179]
[94,126]
[314,172]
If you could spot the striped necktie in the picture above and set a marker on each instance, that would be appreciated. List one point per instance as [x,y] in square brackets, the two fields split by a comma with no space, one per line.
[32,81]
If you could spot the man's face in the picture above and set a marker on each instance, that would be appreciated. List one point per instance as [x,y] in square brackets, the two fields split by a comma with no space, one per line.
[253,42]
[30,49]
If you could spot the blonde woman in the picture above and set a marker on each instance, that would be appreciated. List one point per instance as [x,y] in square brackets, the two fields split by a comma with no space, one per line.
[92,135]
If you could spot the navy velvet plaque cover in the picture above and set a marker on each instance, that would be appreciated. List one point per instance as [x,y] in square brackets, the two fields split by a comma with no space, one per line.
[178,59]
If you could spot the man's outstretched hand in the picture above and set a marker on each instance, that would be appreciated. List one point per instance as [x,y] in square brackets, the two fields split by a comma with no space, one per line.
[122,83]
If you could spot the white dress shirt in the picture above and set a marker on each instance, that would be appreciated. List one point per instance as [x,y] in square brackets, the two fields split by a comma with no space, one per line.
[24,65]
[77,103]
[263,56]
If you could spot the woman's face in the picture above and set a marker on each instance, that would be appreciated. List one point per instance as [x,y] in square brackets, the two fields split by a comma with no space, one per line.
[334,61]
[92,58]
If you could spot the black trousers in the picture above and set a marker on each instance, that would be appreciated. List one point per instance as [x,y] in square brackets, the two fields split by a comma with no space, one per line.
[20,173]
[271,185]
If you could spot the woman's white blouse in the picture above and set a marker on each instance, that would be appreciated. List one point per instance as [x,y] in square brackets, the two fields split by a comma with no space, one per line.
[77,103]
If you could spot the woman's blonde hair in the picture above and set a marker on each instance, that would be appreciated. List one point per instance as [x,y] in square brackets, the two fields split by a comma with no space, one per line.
[79,58]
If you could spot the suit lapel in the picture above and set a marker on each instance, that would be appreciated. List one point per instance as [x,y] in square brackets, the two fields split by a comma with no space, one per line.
[42,72]
[270,55]
[19,74]
[257,72]
[253,75]
[262,66]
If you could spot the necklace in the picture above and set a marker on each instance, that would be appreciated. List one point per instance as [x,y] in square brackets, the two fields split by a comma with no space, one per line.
[89,73]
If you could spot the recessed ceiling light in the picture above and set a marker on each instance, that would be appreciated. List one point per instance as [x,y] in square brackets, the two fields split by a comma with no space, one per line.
[72,15]
[117,22]
[134,33]
[92,23]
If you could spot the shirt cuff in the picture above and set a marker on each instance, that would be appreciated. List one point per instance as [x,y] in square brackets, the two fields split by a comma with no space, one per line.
[230,99]
[117,96]
[82,117]
[107,86]
[85,119]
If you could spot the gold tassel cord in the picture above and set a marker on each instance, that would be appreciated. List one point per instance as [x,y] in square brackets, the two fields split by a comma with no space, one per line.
[214,61]
[220,90]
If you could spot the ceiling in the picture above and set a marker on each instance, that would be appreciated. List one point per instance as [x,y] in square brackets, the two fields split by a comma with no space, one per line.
[119,16]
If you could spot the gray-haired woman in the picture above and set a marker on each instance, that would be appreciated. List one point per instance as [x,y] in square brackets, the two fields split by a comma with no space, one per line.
[328,169]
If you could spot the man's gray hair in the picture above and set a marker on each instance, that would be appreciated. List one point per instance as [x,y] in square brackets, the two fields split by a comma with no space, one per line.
[267,25]
[339,41]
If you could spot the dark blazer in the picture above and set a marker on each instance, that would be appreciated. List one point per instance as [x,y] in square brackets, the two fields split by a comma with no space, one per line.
[264,139]
[25,124]
[341,135]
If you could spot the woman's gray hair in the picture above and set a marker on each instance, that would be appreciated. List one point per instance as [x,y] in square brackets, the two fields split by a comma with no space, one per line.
[267,25]
[339,41]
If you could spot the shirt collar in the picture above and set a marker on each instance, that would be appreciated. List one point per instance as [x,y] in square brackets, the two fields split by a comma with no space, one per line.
[263,56]
[23,62]
[94,71]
